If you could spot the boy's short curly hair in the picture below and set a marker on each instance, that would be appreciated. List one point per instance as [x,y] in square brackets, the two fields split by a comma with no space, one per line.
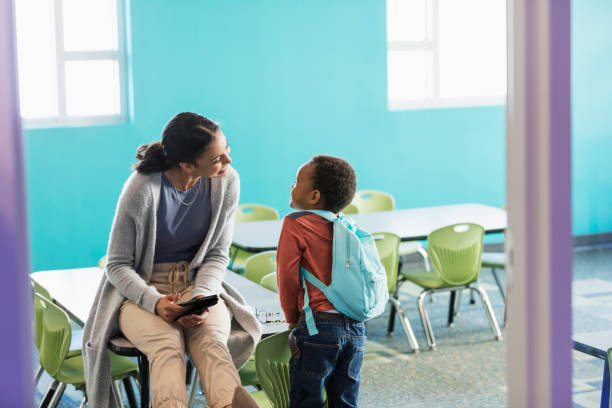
[335,178]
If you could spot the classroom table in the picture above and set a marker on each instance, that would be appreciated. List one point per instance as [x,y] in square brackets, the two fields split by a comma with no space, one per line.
[413,224]
[596,344]
[74,290]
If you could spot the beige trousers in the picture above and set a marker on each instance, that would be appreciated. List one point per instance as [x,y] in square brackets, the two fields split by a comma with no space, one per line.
[164,344]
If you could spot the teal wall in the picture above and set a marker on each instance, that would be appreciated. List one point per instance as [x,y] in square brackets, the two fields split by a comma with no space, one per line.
[592,116]
[287,80]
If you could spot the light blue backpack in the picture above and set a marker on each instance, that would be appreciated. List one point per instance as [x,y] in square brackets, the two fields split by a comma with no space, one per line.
[358,287]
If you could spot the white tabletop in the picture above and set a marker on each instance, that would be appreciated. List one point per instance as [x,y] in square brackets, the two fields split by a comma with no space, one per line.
[75,290]
[410,224]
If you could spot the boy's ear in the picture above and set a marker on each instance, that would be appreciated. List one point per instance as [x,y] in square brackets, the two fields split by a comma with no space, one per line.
[315,197]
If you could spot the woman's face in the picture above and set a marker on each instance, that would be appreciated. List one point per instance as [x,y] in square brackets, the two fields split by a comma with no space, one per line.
[215,161]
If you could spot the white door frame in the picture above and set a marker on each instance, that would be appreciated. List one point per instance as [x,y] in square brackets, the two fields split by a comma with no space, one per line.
[539,204]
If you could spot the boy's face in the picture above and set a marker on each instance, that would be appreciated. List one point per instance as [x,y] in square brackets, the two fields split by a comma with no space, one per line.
[303,196]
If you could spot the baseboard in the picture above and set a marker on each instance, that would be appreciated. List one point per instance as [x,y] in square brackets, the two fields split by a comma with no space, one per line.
[580,241]
[593,240]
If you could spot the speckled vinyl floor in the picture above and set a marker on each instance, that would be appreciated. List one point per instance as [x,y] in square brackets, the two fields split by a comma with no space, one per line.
[468,369]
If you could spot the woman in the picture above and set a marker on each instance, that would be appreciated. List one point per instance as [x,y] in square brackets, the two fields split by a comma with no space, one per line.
[169,243]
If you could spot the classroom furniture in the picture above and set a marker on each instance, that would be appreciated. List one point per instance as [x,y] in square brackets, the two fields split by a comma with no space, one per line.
[373,201]
[248,213]
[387,245]
[76,336]
[455,252]
[259,265]
[597,344]
[350,209]
[412,224]
[62,283]
[272,356]
[269,282]
[54,344]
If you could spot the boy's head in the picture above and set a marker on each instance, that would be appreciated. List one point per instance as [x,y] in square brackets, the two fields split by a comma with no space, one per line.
[324,183]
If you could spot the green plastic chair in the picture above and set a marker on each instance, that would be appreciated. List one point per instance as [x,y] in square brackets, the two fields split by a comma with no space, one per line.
[351,209]
[269,282]
[455,253]
[248,213]
[387,245]
[54,343]
[368,201]
[102,262]
[260,265]
[272,356]
[248,377]
[75,345]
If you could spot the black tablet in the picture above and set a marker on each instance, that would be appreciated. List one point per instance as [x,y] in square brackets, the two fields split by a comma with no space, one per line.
[197,305]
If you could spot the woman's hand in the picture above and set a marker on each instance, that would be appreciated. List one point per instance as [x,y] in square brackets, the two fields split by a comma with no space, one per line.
[167,309]
[193,319]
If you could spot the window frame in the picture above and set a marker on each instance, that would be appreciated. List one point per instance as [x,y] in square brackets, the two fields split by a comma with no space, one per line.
[62,57]
[431,43]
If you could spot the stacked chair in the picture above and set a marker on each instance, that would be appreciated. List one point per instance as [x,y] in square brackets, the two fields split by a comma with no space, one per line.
[248,213]
[53,337]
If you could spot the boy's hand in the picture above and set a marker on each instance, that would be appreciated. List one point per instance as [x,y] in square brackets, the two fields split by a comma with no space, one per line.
[292,326]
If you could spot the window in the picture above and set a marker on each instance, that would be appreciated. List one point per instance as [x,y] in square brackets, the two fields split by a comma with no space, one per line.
[443,53]
[71,59]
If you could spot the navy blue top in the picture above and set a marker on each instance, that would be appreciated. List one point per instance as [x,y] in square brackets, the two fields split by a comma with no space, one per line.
[181,228]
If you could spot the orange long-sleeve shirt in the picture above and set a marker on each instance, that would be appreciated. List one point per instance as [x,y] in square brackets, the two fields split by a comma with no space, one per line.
[306,239]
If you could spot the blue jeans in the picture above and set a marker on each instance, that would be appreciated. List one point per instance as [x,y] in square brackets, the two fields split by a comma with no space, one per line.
[331,360]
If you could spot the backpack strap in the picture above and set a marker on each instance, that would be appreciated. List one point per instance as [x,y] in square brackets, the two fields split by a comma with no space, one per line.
[307,276]
[328,215]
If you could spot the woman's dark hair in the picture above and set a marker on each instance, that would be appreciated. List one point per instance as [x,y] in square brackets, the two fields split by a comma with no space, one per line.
[184,138]
[335,178]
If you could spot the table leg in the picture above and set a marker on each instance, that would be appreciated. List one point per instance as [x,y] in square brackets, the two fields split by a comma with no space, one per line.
[451,307]
[605,386]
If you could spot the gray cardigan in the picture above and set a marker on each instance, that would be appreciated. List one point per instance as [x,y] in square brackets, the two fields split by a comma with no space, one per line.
[130,263]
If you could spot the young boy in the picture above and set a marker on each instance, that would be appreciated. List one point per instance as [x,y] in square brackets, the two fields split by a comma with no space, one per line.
[332,358]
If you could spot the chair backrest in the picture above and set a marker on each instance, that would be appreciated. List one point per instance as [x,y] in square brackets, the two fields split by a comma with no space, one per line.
[368,201]
[387,245]
[259,265]
[40,289]
[255,212]
[102,262]
[455,252]
[351,209]
[272,356]
[56,334]
[38,311]
[269,282]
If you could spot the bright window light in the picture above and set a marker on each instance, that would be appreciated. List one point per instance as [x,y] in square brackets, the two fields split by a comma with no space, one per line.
[444,53]
[71,59]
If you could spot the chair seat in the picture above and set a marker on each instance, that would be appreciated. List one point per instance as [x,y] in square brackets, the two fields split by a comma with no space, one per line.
[261,399]
[71,371]
[424,279]
[409,247]
[493,259]
[248,374]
